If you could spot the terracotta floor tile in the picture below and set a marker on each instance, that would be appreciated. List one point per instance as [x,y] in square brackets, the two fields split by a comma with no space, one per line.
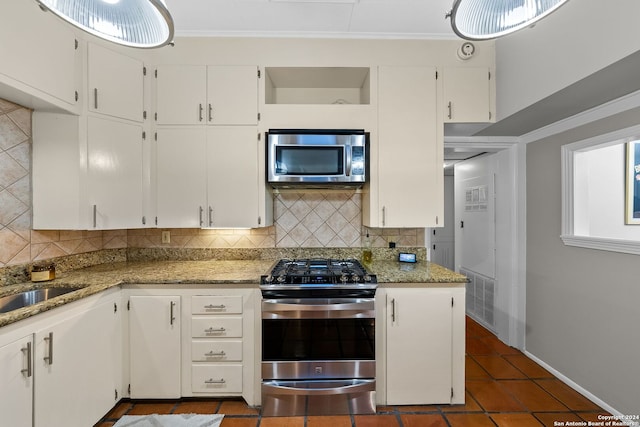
[282,422]
[375,421]
[239,422]
[236,407]
[469,420]
[119,410]
[417,408]
[498,346]
[532,396]
[477,346]
[470,405]
[146,408]
[498,367]
[549,419]
[197,407]
[528,366]
[473,371]
[568,396]
[329,421]
[492,397]
[515,420]
[474,329]
[423,420]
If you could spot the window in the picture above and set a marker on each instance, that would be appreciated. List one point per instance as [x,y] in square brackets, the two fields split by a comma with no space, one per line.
[593,193]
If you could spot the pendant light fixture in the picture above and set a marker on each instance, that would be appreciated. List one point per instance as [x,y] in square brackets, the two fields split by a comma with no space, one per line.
[134,23]
[488,19]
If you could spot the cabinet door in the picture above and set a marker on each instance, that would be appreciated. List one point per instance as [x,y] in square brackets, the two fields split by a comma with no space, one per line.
[410,149]
[115,195]
[181,177]
[232,95]
[75,362]
[419,342]
[232,176]
[154,334]
[115,84]
[181,94]
[16,377]
[466,94]
[38,50]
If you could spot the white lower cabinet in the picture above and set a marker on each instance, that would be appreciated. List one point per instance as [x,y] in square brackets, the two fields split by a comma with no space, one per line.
[424,345]
[154,346]
[16,377]
[191,342]
[65,371]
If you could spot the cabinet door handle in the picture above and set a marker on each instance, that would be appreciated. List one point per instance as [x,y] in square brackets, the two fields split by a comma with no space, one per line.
[215,307]
[213,353]
[212,381]
[49,358]
[210,113]
[384,215]
[449,107]
[210,216]
[214,330]
[200,115]
[29,371]
[95,98]
[393,309]
[201,220]
[95,216]
[173,318]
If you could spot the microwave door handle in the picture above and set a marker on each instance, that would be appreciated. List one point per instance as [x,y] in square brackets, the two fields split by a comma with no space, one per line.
[348,155]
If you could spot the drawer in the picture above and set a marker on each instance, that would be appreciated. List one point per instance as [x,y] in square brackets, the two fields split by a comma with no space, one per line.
[216,351]
[216,326]
[216,304]
[216,378]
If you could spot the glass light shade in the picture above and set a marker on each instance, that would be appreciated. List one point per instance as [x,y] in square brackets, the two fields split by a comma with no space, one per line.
[134,23]
[488,19]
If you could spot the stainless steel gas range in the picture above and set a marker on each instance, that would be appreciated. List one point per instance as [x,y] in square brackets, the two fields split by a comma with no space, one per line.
[318,338]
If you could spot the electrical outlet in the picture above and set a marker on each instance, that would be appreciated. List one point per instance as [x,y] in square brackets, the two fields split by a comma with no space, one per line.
[166,237]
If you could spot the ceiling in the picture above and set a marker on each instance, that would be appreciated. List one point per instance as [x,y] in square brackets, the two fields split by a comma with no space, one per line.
[416,19]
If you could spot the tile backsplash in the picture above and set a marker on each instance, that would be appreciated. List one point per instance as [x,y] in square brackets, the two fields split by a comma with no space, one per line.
[312,219]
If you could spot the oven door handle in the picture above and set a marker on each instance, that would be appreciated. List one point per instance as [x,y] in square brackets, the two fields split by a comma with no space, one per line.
[334,387]
[365,304]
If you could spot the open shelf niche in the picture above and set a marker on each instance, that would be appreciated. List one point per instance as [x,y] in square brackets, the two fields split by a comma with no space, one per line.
[317,85]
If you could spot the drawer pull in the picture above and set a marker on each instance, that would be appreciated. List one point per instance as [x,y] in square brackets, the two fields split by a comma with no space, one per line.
[212,381]
[214,330]
[215,307]
[212,353]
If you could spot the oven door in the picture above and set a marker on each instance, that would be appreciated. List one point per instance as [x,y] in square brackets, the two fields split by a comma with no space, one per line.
[318,356]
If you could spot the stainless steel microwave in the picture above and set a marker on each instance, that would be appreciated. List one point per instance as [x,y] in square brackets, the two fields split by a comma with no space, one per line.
[317,157]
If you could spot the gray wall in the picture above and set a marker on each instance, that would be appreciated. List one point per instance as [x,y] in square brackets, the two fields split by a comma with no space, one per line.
[582,304]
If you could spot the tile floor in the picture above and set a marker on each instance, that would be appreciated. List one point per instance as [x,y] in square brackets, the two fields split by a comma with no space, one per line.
[504,389]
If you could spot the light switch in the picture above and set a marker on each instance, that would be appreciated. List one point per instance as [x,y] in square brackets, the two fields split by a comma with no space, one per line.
[166,237]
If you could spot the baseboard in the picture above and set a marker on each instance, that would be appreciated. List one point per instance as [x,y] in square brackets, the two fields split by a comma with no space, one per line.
[586,393]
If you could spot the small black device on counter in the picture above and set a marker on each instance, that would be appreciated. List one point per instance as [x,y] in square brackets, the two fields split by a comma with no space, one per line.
[406,257]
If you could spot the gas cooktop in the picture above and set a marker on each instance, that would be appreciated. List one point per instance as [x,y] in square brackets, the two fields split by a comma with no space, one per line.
[318,273]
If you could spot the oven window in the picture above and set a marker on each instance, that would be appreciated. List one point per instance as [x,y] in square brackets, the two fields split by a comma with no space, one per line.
[296,160]
[318,339]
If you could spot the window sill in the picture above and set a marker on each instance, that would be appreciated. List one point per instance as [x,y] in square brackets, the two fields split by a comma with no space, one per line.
[603,244]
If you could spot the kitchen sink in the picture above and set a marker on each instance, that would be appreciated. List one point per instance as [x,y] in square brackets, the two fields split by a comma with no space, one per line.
[27,298]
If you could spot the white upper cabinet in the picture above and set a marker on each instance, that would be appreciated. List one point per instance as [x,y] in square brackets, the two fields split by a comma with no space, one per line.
[181,177]
[467,95]
[38,53]
[214,95]
[232,177]
[410,184]
[115,174]
[209,177]
[115,84]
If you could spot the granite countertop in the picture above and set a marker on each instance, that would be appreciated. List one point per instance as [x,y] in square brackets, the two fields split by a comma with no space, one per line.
[98,278]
